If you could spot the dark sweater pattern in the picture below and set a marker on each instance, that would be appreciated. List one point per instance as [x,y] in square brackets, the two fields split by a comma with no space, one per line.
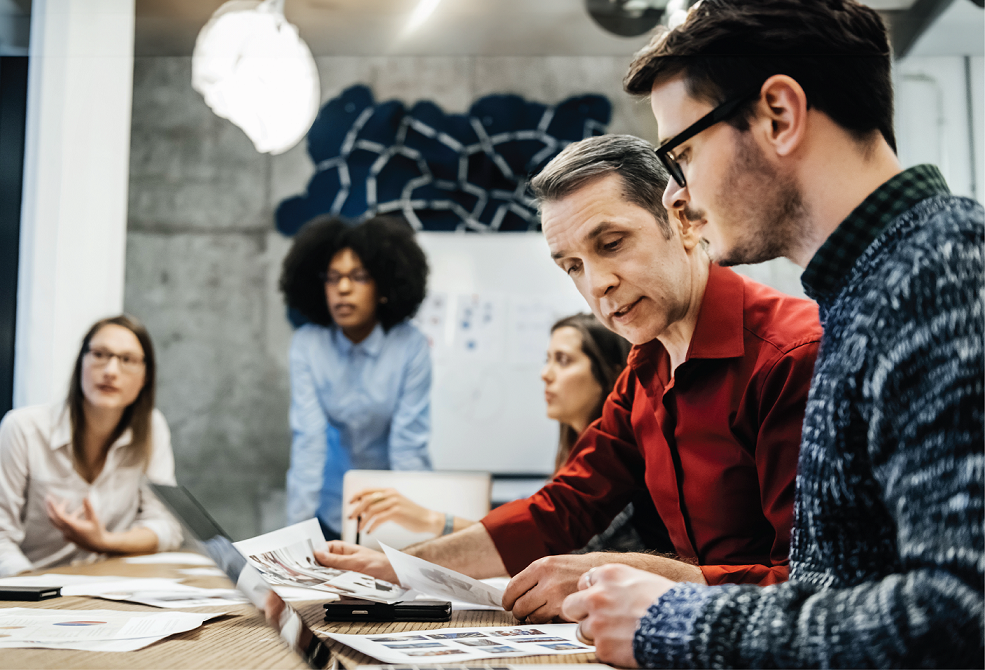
[887,557]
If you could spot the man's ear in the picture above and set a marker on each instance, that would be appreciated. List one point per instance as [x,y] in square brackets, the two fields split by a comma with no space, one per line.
[782,114]
[689,237]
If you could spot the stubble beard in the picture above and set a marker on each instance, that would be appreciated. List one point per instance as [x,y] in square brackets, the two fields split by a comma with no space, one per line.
[765,206]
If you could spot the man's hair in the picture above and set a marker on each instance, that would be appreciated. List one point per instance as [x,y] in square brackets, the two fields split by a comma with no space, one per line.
[837,50]
[644,178]
[385,246]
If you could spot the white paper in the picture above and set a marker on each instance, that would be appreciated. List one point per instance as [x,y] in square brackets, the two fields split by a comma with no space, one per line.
[20,626]
[436,580]
[122,585]
[173,557]
[54,579]
[466,644]
[202,572]
[286,557]
[297,593]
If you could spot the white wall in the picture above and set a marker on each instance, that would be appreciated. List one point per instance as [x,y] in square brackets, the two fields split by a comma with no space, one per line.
[76,163]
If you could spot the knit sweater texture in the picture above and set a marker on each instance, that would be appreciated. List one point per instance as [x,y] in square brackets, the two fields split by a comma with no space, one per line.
[887,558]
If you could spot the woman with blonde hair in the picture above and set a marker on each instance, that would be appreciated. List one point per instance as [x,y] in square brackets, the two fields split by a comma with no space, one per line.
[71,472]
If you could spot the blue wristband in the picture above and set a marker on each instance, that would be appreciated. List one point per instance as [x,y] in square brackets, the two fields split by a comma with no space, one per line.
[449,523]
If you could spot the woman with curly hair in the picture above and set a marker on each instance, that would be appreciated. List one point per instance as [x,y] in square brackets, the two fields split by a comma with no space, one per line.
[360,371]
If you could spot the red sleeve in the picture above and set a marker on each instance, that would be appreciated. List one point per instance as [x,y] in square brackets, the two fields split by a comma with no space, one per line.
[598,481]
[782,400]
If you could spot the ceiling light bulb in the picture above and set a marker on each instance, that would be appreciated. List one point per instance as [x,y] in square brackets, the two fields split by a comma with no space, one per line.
[252,68]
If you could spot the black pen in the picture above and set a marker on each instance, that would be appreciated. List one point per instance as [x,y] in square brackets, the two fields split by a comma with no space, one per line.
[359,520]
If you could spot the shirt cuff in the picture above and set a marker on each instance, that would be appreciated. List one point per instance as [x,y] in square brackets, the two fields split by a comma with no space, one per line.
[168,533]
[14,562]
[664,637]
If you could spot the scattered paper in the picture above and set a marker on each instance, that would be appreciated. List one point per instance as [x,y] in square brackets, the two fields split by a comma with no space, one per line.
[202,572]
[155,592]
[120,585]
[92,630]
[467,644]
[174,557]
[435,580]
[54,579]
[286,557]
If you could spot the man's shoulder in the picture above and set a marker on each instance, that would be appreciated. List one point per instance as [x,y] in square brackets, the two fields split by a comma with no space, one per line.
[783,321]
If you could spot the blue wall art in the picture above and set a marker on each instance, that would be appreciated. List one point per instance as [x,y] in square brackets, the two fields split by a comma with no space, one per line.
[441,172]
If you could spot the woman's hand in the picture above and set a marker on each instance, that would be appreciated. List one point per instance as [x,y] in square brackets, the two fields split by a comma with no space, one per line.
[376,506]
[81,527]
[608,607]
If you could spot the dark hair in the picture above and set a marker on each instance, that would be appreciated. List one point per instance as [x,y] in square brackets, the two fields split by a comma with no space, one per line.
[607,352]
[644,178]
[136,416]
[385,246]
[837,50]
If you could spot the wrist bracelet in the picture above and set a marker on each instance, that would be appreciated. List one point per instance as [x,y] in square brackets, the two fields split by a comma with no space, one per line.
[449,523]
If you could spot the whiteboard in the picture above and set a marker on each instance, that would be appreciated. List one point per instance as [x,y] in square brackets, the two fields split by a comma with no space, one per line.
[491,302]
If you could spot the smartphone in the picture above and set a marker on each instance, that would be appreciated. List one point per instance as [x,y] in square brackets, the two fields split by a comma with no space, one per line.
[29,592]
[354,609]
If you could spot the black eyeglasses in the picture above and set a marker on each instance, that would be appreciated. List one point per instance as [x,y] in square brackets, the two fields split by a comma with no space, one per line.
[720,113]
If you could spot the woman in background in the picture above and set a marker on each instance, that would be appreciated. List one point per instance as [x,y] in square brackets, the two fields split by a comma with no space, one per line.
[360,371]
[583,361]
[70,473]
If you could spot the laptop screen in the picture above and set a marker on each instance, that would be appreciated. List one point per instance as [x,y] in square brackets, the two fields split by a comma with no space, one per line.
[280,616]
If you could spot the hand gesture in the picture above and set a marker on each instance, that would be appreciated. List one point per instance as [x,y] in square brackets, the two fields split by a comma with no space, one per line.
[81,527]
[535,594]
[376,506]
[345,556]
[608,607]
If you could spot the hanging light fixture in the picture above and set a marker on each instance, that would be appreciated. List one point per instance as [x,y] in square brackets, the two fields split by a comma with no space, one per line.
[252,68]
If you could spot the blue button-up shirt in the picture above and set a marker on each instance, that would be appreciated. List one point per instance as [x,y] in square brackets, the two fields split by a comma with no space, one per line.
[365,406]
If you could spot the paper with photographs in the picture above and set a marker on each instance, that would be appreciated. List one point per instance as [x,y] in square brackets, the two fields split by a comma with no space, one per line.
[435,580]
[466,644]
[287,557]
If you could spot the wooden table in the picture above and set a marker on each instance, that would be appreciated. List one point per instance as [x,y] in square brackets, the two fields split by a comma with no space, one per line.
[238,640]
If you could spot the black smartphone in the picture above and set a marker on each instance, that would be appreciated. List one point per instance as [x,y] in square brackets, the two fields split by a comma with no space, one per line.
[29,592]
[354,609]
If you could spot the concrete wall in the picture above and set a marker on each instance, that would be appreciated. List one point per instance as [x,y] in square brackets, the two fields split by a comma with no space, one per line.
[203,257]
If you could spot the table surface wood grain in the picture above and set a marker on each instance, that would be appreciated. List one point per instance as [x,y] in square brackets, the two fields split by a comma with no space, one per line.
[239,639]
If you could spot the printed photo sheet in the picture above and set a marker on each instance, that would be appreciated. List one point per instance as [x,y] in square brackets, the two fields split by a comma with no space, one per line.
[286,557]
[435,580]
[465,644]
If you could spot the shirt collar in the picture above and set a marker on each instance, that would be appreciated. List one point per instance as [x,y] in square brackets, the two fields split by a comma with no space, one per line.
[718,332]
[372,345]
[831,266]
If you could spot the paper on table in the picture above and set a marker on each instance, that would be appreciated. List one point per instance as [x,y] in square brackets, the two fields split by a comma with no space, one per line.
[33,626]
[54,579]
[122,585]
[286,557]
[176,557]
[202,572]
[466,644]
[436,580]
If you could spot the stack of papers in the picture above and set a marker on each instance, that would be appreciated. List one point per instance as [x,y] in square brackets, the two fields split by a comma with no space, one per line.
[286,557]
[467,644]
[91,630]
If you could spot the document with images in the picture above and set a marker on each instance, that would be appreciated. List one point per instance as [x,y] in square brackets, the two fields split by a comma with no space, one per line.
[435,580]
[467,644]
[287,557]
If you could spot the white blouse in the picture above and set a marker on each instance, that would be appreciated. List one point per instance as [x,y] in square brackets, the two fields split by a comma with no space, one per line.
[36,461]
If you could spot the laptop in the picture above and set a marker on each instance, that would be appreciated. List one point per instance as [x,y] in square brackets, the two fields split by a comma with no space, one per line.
[279,615]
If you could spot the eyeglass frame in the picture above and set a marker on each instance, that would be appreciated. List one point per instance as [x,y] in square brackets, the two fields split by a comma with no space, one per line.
[721,113]
[128,365]
[324,277]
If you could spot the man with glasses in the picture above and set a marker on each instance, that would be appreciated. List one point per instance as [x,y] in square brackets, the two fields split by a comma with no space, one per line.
[706,419]
[777,122]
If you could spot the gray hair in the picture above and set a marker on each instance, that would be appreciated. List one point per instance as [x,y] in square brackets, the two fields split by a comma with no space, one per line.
[644,178]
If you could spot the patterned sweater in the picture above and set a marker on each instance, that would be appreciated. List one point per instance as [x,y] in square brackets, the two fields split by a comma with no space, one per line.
[887,554]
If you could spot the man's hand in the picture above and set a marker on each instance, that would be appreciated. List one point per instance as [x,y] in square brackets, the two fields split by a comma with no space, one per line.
[536,593]
[345,556]
[609,605]
[81,527]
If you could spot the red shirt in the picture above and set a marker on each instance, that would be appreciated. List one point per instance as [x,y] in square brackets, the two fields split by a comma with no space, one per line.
[716,445]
